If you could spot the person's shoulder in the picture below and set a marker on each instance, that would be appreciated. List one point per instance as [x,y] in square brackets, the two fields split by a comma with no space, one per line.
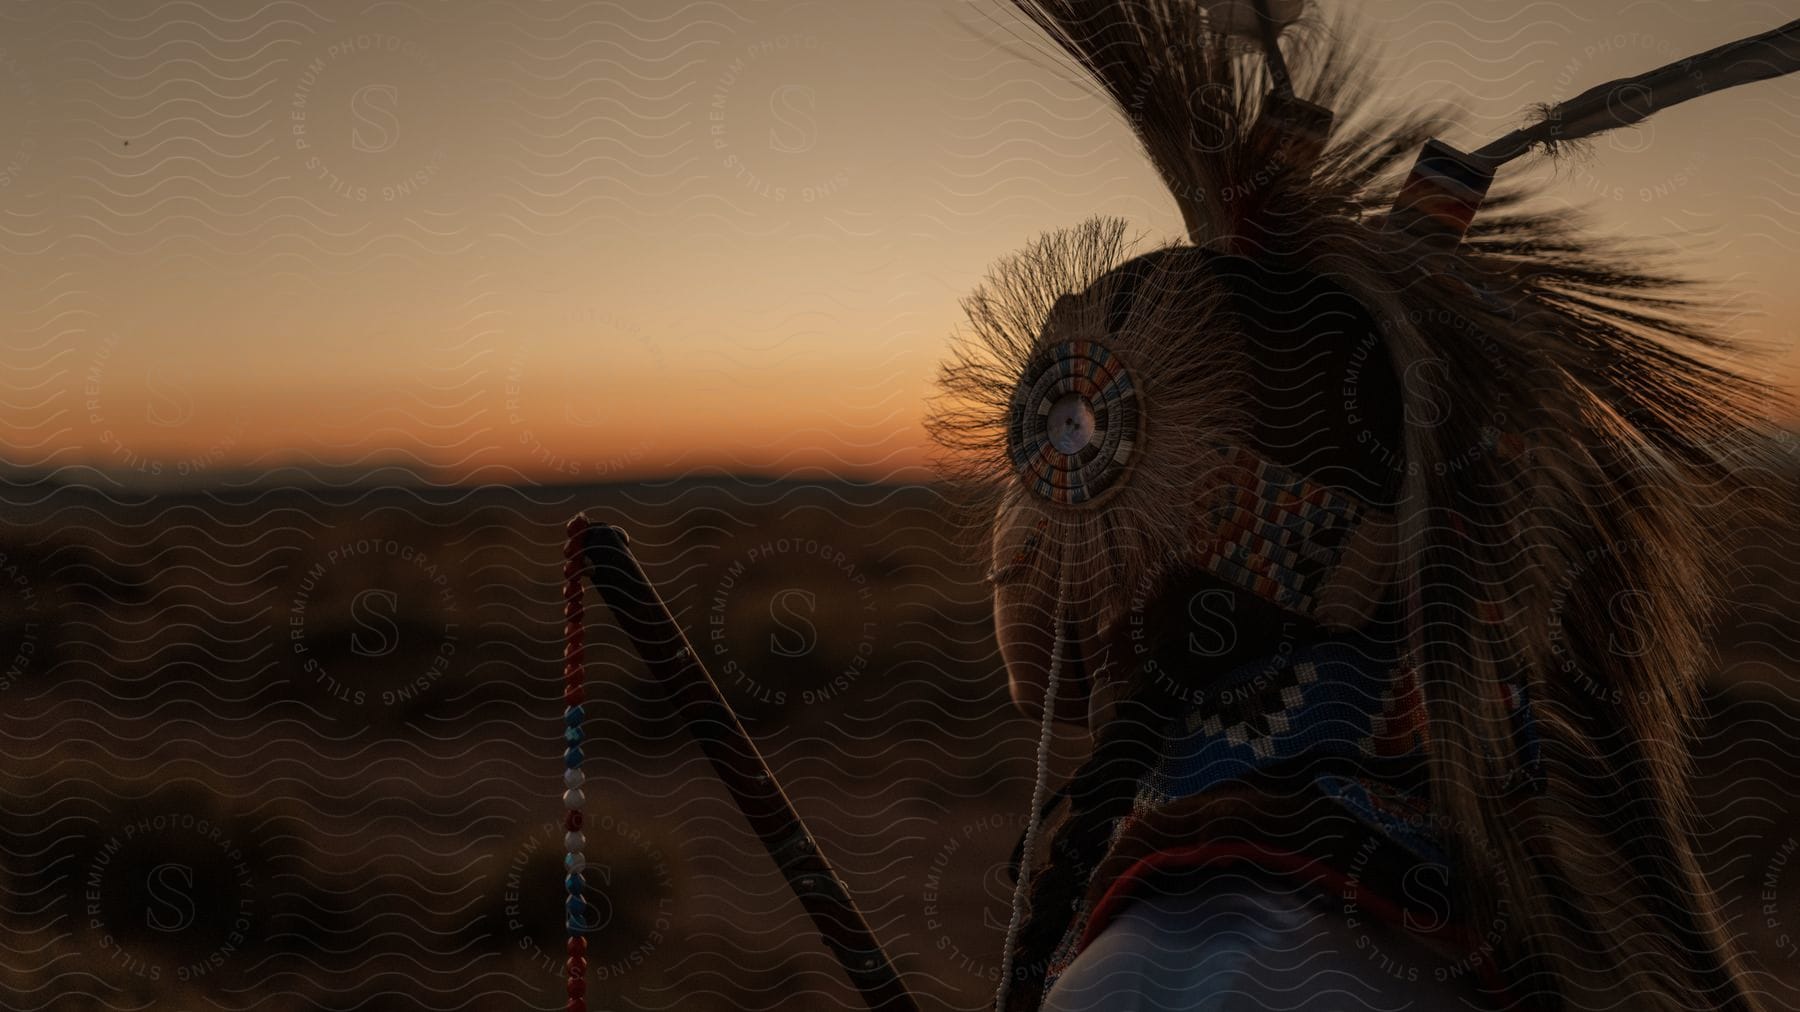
[1223,942]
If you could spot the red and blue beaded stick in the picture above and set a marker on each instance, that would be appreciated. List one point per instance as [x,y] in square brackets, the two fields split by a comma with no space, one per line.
[574,860]
[601,553]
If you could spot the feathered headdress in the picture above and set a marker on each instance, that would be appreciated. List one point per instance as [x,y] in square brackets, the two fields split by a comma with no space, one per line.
[1349,393]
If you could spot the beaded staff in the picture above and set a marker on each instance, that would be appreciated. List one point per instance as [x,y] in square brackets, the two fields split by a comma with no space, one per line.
[574,695]
[601,552]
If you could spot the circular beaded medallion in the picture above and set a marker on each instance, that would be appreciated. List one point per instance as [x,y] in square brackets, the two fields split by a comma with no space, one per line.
[1073,424]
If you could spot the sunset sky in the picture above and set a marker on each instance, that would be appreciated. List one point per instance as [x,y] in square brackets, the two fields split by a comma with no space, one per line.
[501,240]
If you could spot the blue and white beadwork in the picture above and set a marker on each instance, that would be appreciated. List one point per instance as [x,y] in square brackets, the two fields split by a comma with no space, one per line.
[574,860]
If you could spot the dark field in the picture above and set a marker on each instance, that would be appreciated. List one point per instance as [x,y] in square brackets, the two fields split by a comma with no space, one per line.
[301,749]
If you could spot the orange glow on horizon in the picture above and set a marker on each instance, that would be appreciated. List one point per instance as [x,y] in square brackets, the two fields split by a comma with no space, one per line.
[742,248]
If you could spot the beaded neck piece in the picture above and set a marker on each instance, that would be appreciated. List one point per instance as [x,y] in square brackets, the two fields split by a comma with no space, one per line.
[1346,714]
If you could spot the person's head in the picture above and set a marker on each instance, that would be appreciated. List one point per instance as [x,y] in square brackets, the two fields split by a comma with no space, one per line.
[1278,350]
[1170,393]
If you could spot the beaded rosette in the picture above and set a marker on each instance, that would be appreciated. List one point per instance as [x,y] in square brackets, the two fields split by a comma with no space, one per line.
[1073,423]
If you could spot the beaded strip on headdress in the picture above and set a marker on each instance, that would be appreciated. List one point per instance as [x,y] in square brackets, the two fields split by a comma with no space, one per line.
[1274,532]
